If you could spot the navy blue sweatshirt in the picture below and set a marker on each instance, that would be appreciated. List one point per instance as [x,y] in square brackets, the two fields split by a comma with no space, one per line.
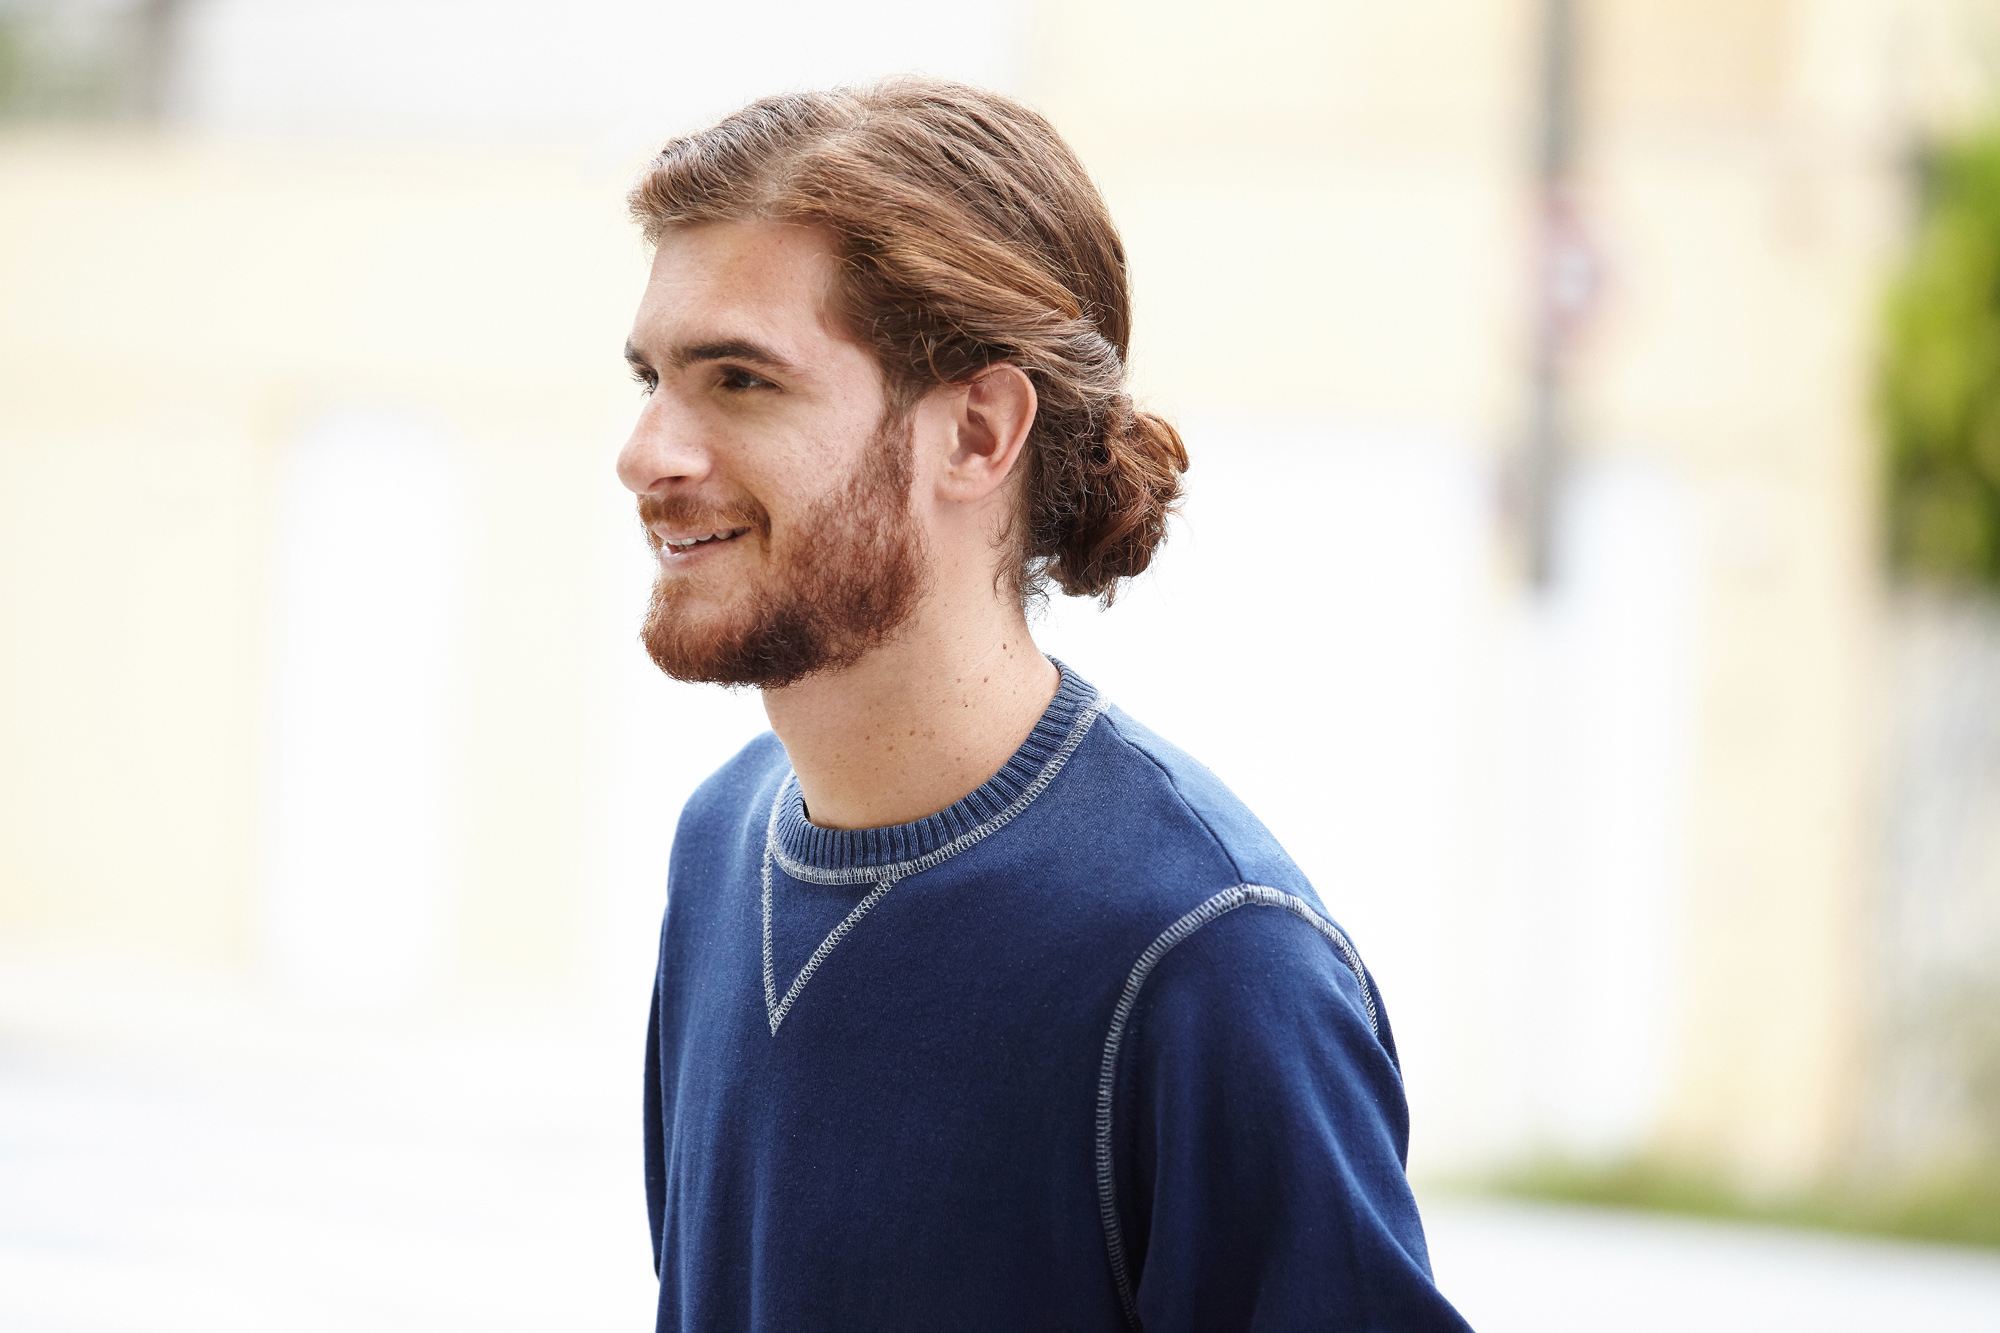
[1082,1052]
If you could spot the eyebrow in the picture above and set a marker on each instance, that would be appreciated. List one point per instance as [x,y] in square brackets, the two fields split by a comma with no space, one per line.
[716,349]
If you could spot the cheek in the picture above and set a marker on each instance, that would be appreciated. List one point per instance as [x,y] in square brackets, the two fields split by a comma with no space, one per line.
[790,514]
[808,475]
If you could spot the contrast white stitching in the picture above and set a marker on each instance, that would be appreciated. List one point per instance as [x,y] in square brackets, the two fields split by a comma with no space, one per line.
[885,877]
[774,1009]
[904,869]
[1228,900]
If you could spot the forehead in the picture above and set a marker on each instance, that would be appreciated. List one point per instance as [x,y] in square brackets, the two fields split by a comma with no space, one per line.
[762,280]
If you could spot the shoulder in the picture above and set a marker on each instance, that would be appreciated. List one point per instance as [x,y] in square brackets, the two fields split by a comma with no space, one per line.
[1162,846]
[736,798]
[755,767]
[1174,818]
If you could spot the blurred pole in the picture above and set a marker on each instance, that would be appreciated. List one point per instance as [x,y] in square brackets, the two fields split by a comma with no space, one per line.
[156,26]
[1564,280]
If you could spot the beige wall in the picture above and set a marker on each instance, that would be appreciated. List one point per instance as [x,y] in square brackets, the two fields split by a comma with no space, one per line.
[1332,206]
[178,315]
[1743,163]
[1321,201]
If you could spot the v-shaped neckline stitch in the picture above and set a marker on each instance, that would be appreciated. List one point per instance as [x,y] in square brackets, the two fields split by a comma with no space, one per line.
[982,812]
[776,1009]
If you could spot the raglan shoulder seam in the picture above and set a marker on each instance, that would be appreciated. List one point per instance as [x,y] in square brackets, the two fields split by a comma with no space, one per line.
[1187,925]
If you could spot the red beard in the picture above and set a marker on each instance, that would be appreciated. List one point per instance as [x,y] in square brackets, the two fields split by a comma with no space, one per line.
[851,571]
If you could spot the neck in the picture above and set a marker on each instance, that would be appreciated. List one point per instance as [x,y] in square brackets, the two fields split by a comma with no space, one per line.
[914,726]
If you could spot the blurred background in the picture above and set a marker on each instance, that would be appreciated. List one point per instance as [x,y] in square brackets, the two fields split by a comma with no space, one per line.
[1595,415]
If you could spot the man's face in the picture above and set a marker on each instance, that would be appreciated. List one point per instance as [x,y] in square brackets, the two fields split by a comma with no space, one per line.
[768,431]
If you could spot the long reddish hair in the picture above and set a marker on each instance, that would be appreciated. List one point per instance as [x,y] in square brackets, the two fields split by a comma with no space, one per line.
[969,234]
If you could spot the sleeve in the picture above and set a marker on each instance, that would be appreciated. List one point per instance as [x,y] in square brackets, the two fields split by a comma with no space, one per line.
[1260,1133]
[656,1167]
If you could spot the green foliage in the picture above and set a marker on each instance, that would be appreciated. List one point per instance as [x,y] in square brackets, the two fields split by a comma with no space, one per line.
[1939,385]
[10,62]
[1959,1205]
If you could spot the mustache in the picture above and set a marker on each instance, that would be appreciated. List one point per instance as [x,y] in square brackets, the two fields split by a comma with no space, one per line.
[684,511]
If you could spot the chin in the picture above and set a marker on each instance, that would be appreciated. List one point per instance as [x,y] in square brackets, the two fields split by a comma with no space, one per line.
[702,650]
[769,652]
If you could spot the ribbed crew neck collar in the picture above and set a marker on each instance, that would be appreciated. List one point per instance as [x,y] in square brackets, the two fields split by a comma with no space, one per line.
[803,846]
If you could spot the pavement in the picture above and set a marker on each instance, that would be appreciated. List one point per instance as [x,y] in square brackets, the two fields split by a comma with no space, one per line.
[1513,1266]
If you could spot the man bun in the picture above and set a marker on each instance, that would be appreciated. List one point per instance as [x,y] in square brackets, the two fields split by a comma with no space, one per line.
[1103,514]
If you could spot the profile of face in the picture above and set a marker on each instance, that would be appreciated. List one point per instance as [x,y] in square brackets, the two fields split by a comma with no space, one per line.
[773,479]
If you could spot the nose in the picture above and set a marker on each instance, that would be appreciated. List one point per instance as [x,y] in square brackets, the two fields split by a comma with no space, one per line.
[664,448]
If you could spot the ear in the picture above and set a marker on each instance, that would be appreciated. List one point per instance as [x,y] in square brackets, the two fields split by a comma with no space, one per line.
[991,415]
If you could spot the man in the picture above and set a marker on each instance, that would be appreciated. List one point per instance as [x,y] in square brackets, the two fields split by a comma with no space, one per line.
[979,1005]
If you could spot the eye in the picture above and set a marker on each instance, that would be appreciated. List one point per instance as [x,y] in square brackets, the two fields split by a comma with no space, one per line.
[645,380]
[738,380]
